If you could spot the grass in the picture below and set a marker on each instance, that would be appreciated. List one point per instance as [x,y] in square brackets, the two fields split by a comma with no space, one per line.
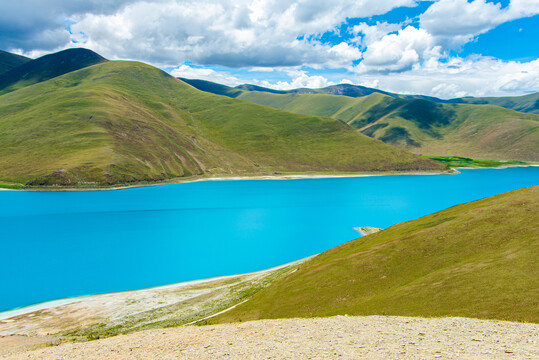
[456,161]
[119,123]
[476,260]
[11,186]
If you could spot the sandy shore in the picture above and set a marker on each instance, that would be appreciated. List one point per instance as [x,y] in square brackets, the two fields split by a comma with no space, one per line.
[91,298]
[225,178]
[340,337]
[451,171]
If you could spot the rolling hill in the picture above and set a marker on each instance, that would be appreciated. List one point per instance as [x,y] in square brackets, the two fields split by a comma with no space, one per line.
[121,122]
[526,103]
[47,67]
[416,124]
[9,61]
[473,260]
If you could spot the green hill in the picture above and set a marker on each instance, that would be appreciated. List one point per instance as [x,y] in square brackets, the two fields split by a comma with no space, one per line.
[47,67]
[474,260]
[9,61]
[122,122]
[422,126]
[526,103]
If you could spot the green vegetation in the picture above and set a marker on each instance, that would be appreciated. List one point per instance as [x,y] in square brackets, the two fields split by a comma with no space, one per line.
[9,61]
[47,67]
[11,186]
[123,122]
[477,259]
[455,161]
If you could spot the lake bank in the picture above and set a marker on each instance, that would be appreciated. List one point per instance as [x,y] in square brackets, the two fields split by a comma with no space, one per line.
[292,176]
[4,315]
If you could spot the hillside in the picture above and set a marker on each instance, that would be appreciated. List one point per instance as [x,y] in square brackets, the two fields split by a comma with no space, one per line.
[474,260]
[122,122]
[47,67]
[9,61]
[422,126]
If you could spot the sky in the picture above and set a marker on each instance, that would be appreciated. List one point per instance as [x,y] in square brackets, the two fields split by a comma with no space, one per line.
[445,48]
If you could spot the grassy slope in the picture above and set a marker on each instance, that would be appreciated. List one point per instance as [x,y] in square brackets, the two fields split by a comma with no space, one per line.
[120,122]
[47,67]
[475,260]
[9,61]
[421,126]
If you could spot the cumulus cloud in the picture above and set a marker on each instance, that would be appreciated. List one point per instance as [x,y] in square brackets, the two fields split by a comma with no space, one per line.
[456,22]
[399,52]
[31,25]
[168,32]
[457,77]
[369,34]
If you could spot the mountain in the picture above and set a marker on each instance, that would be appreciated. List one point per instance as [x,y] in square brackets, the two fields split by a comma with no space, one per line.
[121,122]
[9,61]
[472,260]
[417,124]
[47,67]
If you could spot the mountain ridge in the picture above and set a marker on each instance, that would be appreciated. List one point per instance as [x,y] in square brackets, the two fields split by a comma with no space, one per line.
[47,67]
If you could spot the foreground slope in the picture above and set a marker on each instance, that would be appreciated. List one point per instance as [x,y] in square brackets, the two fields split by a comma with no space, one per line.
[374,337]
[47,67]
[122,122]
[9,61]
[475,260]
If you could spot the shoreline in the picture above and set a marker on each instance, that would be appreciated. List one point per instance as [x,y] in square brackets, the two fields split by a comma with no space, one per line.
[8,314]
[291,176]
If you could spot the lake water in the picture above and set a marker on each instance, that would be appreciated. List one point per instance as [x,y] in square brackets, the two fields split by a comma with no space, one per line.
[62,244]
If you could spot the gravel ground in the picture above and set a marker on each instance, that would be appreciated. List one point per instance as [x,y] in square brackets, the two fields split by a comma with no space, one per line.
[340,337]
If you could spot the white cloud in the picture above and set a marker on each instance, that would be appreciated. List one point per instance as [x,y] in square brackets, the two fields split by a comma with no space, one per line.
[244,33]
[220,77]
[300,79]
[373,33]
[457,77]
[456,22]
[399,52]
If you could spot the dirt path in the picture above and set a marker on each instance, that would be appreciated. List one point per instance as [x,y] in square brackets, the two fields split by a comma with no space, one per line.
[341,337]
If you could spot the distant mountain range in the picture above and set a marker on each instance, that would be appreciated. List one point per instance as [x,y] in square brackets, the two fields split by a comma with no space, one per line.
[469,127]
[75,119]
[526,103]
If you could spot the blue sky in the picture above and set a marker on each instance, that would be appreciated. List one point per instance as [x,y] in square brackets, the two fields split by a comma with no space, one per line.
[445,48]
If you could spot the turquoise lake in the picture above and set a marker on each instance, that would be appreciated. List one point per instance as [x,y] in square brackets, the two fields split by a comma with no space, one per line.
[62,244]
